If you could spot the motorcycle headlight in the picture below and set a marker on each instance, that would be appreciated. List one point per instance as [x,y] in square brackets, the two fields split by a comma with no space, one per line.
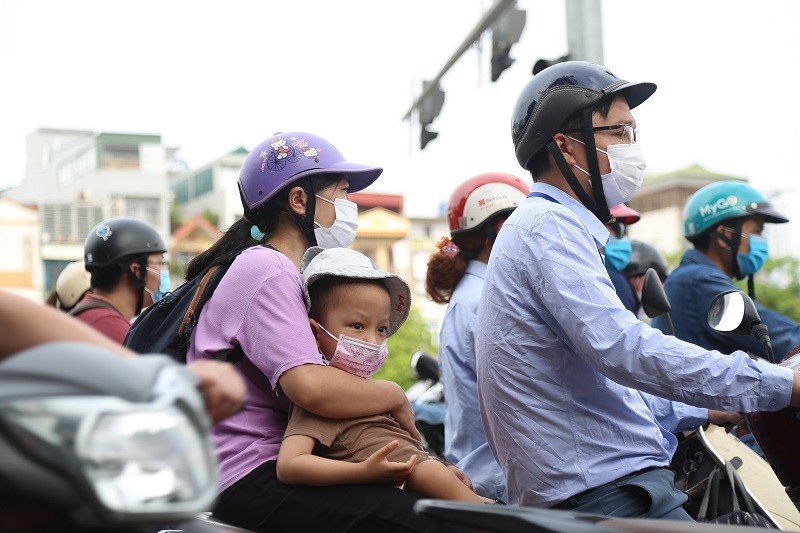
[140,460]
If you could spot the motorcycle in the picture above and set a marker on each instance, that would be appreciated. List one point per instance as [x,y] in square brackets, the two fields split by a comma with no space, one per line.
[427,398]
[92,441]
[733,313]
[750,477]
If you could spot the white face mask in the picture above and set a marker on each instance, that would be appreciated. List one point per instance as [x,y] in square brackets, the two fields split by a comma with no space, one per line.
[342,232]
[627,172]
[360,358]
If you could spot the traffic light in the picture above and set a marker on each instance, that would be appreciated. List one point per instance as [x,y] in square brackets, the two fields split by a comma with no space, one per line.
[429,109]
[505,33]
[426,136]
[544,63]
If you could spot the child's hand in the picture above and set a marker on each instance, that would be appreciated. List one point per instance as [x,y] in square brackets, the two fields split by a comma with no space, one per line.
[378,469]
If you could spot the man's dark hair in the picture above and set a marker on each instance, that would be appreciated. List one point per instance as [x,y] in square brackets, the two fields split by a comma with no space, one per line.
[539,163]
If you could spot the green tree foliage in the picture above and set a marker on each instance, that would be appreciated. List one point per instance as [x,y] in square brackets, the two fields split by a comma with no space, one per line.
[174,217]
[778,286]
[412,336]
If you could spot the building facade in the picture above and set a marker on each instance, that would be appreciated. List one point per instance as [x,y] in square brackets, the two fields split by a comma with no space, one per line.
[211,190]
[74,179]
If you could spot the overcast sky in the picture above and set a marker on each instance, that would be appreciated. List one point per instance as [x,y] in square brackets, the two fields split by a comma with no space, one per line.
[210,77]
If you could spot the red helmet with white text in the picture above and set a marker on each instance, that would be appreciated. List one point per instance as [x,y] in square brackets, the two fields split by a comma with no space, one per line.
[479,198]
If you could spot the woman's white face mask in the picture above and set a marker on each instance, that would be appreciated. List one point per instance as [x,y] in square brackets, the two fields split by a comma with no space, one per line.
[342,232]
[627,172]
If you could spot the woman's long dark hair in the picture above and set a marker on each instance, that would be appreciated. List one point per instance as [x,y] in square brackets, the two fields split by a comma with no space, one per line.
[238,237]
[444,272]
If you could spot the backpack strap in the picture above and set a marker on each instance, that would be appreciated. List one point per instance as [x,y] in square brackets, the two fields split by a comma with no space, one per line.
[198,294]
[91,304]
[232,355]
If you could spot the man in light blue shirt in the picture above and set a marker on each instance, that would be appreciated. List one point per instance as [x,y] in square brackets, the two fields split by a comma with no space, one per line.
[566,374]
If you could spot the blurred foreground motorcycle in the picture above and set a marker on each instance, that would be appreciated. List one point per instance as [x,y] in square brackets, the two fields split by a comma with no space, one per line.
[91,441]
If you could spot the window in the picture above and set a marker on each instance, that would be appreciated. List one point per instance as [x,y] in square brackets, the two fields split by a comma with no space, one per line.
[145,209]
[203,182]
[69,223]
[181,191]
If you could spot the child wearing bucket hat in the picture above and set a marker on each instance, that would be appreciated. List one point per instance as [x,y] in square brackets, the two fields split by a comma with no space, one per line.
[354,308]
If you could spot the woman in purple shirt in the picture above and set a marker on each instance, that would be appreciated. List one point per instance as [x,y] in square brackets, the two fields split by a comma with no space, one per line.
[294,189]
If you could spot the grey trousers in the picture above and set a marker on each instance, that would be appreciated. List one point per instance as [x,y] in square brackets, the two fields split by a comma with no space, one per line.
[647,494]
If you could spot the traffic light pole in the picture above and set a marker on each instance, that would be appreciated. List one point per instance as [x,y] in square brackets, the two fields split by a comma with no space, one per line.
[584,31]
[487,20]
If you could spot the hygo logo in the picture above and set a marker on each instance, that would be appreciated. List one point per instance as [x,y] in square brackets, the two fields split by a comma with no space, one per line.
[709,210]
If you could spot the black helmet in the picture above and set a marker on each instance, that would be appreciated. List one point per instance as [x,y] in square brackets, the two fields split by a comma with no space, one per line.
[549,99]
[109,441]
[559,91]
[114,239]
[644,256]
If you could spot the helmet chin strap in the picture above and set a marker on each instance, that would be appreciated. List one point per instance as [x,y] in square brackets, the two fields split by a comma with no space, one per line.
[601,206]
[566,171]
[596,204]
[306,222]
[139,283]
[734,243]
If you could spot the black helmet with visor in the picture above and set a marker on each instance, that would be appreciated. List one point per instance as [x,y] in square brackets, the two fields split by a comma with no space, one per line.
[553,96]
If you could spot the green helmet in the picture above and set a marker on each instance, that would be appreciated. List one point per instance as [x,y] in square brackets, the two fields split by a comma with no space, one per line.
[724,200]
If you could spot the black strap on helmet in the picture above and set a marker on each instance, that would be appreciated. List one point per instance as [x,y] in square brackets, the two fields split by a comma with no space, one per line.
[734,243]
[573,182]
[601,210]
[140,282]
[304,223]
[307,222]
[597,205]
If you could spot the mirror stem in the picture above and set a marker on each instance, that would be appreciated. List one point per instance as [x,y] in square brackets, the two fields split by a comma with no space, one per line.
[759,331]
[670,327]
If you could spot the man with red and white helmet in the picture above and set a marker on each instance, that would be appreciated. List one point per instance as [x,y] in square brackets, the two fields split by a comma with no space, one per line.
[561,364]
[476,211]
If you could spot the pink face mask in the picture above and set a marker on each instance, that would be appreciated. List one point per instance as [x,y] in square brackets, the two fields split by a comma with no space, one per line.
[357,357]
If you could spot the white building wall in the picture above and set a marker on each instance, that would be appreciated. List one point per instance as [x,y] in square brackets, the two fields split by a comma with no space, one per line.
[19,235]
[662,228]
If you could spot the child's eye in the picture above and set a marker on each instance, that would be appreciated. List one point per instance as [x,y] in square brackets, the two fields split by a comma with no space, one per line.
[383,330]
[357,326]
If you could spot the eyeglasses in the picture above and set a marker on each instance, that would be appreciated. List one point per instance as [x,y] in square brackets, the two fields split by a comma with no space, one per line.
[627,132]
[158,264]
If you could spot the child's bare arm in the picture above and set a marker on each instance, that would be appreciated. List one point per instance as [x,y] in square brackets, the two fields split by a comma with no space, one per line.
[298,466]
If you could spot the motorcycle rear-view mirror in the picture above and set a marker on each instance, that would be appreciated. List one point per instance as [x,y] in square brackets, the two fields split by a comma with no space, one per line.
[734,313]
[654,300]
[731,313]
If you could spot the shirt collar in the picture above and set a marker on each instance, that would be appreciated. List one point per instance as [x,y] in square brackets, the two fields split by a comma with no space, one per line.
[477,268]
[697,257]
[596,228]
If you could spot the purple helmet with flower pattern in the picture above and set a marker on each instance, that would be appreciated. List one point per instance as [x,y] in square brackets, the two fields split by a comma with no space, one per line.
[285,158]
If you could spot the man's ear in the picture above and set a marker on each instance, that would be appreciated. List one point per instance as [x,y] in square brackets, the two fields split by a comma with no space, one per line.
[567,147]
[135,270]
[298,200]
[720,238]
